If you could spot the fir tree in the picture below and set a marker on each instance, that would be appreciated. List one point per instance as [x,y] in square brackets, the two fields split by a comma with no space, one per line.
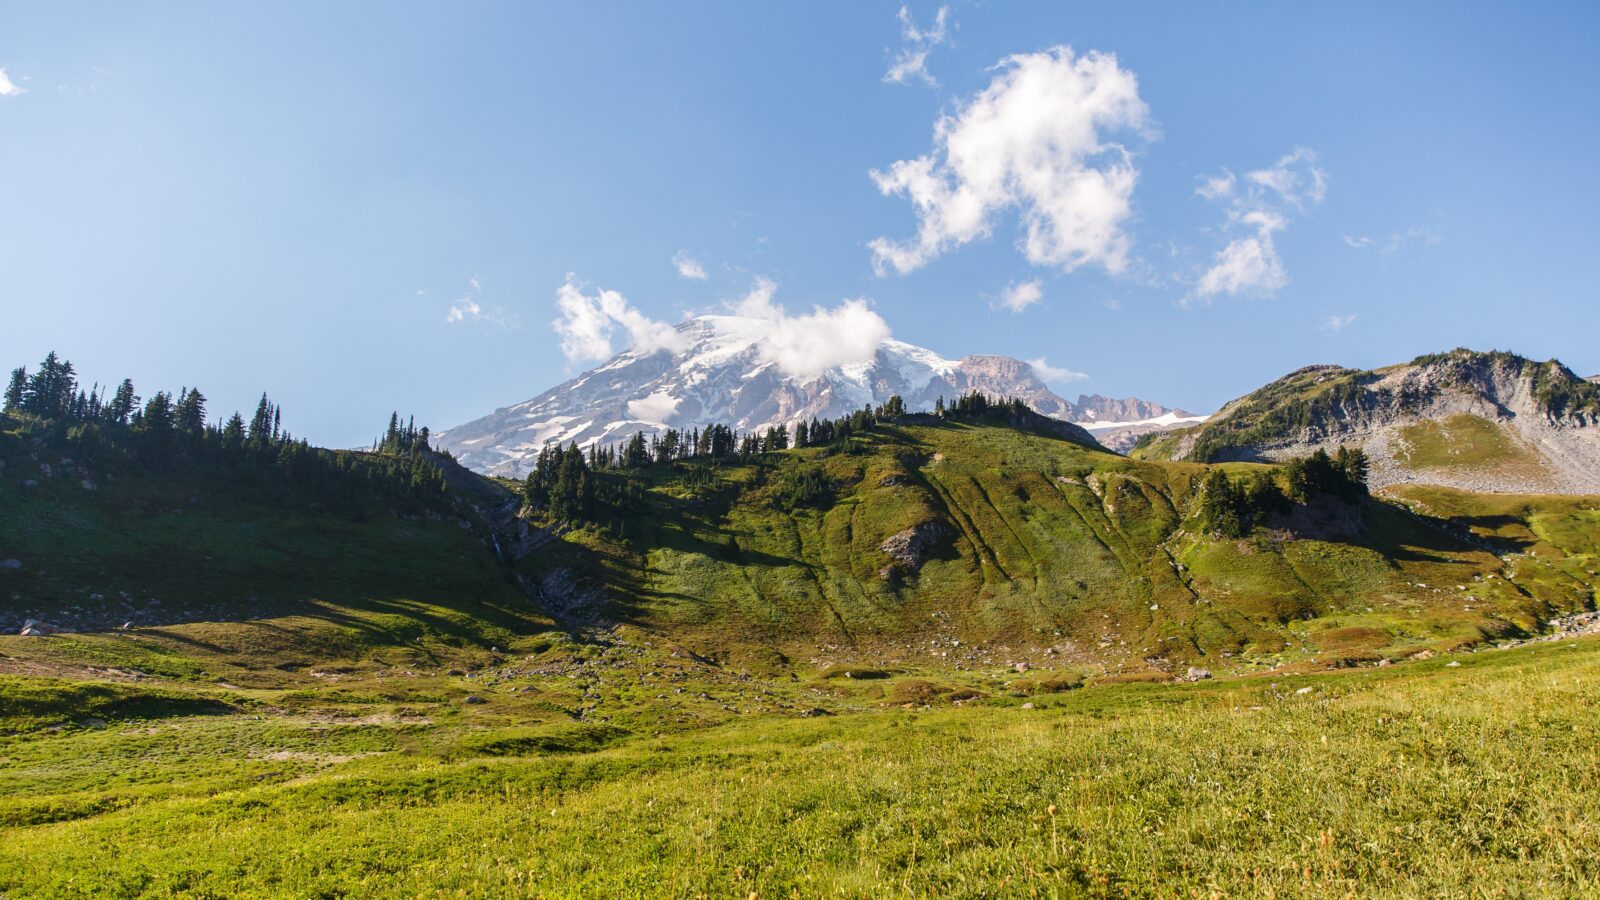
[123,403]
[16,389]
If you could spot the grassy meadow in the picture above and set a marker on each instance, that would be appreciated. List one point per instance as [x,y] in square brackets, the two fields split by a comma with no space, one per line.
[742,694]
[1473,776]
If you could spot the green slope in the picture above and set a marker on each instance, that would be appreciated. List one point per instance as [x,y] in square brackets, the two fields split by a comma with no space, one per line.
[1047,545]
[235,575]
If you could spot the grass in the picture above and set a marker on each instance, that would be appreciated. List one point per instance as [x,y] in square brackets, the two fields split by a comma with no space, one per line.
[1048,545]
[1465,442]
[373,706]
[1416,780]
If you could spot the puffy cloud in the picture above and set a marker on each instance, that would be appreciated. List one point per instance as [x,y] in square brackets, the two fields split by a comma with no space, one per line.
[1038,139]
[688,266]
[588,321]
[911,63]
[805,346]
[653,408]
[1018,297]
[9,88]
[1249,265]
[1054,374]
[1336,324]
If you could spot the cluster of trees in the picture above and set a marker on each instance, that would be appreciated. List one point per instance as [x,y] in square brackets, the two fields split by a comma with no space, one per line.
[590,486]
[975,404]
[1234,509]
[109,425]
[571,486]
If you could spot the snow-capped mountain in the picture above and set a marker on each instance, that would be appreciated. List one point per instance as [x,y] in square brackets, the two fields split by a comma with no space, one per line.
[1118,424]
[725,375]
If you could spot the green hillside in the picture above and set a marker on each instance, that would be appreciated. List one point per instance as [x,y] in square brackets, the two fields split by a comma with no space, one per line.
[773,673]
[232,567]
[1038,544]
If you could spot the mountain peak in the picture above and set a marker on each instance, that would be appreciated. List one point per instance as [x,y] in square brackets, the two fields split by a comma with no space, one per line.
[745,371]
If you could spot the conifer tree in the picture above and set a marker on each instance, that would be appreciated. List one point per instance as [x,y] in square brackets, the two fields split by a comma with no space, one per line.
[191,412]
[16,389]
[123,403]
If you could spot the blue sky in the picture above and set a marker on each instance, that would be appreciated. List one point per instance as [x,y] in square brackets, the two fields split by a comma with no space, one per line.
[294,197]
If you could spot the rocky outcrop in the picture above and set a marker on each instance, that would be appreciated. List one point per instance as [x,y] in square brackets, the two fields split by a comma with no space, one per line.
[912,547]
[1548,417]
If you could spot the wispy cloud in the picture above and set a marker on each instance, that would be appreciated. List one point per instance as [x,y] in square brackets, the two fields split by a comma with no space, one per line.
[1215,187]
[467,309]
[1054,374]
[1417,235]
[1261,205]
[1040,139]
[1336,324]
[1018,297]
[911,62]
[9,88]
[688,266]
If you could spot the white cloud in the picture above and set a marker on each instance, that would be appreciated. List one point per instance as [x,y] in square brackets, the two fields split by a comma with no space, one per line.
[1426,235]
[911,63]
[1037,139]
[1054,374]
[1336,324]
[805,346]
[654,408]
[1249,265]
[588,322]
[1018,297]
[1215,187]
[467,308]
[688,266]
[9,88]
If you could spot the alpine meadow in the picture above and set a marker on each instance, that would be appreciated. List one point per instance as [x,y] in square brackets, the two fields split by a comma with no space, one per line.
[715,451]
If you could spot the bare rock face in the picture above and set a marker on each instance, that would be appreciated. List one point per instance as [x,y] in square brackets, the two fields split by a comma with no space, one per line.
[914,546]
[1497,422]
[1119,423]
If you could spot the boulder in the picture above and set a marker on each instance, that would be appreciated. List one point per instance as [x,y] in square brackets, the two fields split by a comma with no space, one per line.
[35,628]
[1196,673]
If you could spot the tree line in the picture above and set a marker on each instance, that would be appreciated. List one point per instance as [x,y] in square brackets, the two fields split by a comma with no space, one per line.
[109,424]
[590,486]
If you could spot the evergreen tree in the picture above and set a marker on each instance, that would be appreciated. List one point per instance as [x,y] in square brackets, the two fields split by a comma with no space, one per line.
[233,432]
[16,389]
[261,422]
[123,403]
[191,411]
[157,420]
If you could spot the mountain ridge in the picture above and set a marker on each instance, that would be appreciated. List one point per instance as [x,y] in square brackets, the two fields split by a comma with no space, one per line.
[1482,421]
[724,374]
